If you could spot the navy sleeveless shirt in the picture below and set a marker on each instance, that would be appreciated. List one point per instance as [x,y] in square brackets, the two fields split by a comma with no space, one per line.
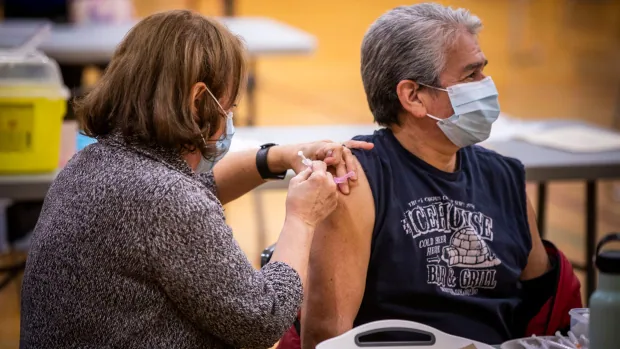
[447,248]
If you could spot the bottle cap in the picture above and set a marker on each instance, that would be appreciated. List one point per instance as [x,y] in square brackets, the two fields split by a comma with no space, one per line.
[608,262]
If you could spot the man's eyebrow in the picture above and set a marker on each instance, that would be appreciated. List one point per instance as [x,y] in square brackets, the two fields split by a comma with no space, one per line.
[474,66]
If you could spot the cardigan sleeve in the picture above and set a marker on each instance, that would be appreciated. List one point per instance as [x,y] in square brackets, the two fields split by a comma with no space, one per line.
[202,269]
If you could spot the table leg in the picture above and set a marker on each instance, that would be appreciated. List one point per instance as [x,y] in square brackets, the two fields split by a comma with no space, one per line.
[72,78]
[542,207]
[260,221]
[12,271]
[229,8]
[251,88]
[591,228]
[617,113]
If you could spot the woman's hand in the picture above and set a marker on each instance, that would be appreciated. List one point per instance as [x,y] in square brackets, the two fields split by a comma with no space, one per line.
[336,155]
[312,195]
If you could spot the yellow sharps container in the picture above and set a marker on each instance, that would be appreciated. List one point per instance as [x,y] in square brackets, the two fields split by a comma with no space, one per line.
[33,103]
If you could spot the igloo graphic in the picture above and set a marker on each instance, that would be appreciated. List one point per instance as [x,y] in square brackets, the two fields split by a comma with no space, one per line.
[467,249]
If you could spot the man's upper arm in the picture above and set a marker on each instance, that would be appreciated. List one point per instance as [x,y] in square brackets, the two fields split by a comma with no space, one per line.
[538,260]
[338,264]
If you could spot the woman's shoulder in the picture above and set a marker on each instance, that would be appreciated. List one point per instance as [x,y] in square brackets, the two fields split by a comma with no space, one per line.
[119,174]
[191,194]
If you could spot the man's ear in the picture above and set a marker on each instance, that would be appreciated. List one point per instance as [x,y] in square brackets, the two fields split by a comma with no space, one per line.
[409,97]
[198,89]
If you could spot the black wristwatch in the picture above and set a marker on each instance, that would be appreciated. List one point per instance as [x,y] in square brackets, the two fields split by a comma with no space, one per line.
[263,167]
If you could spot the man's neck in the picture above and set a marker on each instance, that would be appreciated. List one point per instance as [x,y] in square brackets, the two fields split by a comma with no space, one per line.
[429,149]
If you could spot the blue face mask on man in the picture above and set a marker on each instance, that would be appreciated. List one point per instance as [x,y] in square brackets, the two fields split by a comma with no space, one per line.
[476,108]
[222,144]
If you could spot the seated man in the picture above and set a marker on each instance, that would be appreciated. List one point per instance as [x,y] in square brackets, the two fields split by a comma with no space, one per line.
[437,230]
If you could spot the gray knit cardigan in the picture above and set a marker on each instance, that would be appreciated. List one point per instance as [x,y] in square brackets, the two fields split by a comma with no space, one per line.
[132,251]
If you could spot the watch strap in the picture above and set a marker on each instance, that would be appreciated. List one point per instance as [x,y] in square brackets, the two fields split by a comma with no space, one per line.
[263,167]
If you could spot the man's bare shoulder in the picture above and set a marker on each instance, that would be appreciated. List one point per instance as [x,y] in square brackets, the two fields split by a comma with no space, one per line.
[357,209]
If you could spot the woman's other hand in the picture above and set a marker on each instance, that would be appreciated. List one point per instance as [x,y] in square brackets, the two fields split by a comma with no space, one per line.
[336,155]
[312,194]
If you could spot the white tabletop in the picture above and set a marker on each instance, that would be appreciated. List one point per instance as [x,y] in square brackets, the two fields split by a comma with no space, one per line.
[95,43]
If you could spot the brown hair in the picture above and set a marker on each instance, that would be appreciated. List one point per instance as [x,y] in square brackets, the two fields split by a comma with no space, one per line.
[145,92]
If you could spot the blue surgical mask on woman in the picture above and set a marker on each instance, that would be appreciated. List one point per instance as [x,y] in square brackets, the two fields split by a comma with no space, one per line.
[476,108]
[222,144]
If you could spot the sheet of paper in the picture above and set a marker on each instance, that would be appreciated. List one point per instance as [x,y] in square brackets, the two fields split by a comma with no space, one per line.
[508,127]
[577,139]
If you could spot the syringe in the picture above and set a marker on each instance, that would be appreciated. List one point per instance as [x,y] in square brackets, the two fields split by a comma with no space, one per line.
[337,180]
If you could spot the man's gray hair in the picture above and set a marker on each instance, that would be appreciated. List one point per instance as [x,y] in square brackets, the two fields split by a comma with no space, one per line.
[408,43]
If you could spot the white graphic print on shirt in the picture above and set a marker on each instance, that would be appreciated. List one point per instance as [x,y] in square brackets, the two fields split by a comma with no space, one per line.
[451,234]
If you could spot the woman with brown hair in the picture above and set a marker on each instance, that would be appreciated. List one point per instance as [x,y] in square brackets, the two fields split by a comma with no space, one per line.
[131,249]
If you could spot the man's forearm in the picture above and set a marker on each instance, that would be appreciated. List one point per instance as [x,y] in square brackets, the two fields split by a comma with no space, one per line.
[236,174]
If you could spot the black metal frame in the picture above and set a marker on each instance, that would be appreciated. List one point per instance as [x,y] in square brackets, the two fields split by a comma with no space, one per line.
[229,8]
[12,272]
[251,92]
[265,257]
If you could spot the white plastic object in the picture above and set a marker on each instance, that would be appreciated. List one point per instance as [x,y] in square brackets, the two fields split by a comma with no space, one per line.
[545,342]
[32,75]
[573,338]
[304,159]
[24,71]
[580,321]
[349,340]
[528,342]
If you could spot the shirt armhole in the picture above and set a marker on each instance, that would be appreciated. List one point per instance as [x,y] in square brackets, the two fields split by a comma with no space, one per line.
[371,164]
[518,177]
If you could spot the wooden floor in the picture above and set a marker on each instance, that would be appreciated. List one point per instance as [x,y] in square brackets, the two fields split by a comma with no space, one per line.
[551,60]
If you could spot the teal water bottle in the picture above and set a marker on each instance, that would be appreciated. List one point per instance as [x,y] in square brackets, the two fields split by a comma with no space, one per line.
[605,301]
